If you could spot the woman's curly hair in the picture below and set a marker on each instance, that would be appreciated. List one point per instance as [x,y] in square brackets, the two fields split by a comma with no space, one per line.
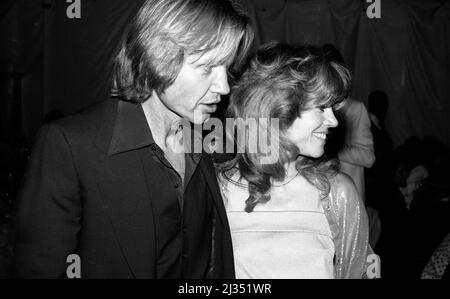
[281,82]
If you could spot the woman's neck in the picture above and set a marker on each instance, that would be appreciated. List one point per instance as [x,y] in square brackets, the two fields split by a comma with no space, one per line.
[290,173]
[290,169]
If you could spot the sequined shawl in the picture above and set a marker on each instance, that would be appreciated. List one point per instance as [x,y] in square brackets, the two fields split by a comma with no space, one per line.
[347,217]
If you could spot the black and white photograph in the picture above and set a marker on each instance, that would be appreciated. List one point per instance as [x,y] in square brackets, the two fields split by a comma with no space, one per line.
[225,145]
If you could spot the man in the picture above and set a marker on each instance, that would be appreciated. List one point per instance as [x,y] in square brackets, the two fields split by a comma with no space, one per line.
[357,155]
[357,152]
[110,184]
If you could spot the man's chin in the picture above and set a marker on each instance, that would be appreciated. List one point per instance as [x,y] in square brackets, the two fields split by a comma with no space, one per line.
[199,119]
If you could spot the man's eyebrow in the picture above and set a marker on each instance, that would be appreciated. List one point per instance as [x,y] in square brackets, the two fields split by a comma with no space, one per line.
[194,58]
[200,62]
[207,64]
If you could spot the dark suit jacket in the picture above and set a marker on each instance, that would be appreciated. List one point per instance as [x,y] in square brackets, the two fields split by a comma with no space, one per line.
[88,190]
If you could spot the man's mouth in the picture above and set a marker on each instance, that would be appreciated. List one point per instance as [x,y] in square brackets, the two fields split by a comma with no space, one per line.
[211,107]
[212,102]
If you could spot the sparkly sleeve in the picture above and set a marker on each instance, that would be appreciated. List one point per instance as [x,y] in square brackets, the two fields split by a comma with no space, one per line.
[350,227]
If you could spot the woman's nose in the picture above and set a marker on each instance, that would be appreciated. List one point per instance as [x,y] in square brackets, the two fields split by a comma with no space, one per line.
[330,119]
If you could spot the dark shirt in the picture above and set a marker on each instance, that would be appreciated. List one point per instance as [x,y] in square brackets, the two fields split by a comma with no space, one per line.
[172,245]
[168,208]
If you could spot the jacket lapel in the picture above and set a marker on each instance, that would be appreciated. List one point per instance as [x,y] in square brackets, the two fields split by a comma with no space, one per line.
[211,179]
[125,186]
[222,255]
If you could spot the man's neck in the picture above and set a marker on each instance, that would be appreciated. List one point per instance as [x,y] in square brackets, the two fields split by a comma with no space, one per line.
[162,121]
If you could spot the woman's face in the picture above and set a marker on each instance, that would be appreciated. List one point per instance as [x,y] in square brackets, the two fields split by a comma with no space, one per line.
[309,132]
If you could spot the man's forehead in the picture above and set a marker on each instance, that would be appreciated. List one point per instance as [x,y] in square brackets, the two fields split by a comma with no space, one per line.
[210,57]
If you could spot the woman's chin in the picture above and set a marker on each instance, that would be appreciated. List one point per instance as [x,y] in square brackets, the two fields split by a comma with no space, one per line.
[314,154]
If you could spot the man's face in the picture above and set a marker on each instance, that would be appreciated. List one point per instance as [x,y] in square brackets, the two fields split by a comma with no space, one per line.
[196,91]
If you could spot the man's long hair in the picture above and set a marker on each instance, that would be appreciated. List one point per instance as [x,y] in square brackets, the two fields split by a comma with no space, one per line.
[164,32]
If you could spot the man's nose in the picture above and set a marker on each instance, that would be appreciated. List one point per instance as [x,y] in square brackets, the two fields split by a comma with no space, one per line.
[220,83]
[330,119]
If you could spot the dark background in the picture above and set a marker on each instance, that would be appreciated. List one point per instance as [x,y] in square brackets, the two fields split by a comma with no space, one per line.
[64,63]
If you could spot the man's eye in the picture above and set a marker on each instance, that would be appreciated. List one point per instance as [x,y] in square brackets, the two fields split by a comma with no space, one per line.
[207,69]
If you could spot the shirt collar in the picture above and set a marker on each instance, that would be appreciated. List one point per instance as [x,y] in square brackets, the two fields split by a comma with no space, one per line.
[131,130]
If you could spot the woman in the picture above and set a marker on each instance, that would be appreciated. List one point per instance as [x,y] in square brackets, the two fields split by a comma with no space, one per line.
[297,217]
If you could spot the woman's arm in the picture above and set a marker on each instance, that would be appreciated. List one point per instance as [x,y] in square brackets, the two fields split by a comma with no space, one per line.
[354,257]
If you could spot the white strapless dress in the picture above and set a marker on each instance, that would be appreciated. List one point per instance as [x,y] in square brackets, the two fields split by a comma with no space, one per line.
[287,237]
